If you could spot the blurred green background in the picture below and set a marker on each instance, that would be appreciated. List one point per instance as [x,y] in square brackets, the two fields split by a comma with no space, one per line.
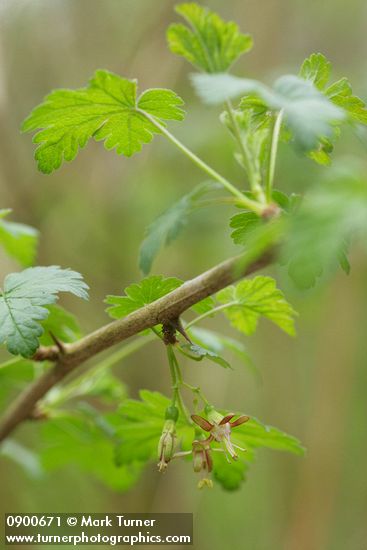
[92,215]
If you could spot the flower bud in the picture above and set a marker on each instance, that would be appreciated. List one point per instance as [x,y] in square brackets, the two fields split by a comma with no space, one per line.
[172,413]
[166,445]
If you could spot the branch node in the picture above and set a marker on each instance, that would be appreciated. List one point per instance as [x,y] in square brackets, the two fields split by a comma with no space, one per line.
[38,414]
[49,353]
[170,328]
[169,333]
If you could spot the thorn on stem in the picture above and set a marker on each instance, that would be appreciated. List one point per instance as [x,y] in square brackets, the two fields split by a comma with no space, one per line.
[169,331]
[58,343]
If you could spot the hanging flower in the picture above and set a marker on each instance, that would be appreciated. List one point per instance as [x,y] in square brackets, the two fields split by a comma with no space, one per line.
[167,441]
[220,428]
[201,456]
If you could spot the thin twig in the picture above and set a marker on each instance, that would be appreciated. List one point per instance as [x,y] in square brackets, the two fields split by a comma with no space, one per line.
[171,306]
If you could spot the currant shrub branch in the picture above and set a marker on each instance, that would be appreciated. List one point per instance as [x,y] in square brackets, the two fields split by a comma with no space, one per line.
[310,237]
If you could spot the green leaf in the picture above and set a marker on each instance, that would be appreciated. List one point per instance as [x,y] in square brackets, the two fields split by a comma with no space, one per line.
[308,113]
[104,386]
[101,385]
[61,324]
[252,298]
[140,294]
[250,436]
[246,223]
[198,353]
[341,94]
[23,301]
[316,69]
[165,229]
[208,42]
[231,475]
[147,291]
[243,224]
[80,443]
[215,89]
[19,240]
[203,306]
[219,344]
[15,375]
[256,434]
[332,216]
[107,109]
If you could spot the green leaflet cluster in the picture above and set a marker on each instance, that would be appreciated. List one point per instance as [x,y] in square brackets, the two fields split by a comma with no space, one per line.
[108,110]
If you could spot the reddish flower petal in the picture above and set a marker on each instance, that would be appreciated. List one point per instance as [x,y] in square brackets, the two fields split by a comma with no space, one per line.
[226,419]
[240,420]
[202,422]
[209,460]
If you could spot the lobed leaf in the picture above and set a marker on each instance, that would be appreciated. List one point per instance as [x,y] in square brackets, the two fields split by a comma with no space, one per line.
[231,475]
[317,69]
[107,109]
[243,224]
[328,219]
[139,295]
[147,291]
[23,300]
[308,113]
[252,298]
[208,42]
[341,94]
[256,435]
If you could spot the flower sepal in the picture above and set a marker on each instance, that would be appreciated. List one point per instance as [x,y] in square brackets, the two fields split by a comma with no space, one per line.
[166,445]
